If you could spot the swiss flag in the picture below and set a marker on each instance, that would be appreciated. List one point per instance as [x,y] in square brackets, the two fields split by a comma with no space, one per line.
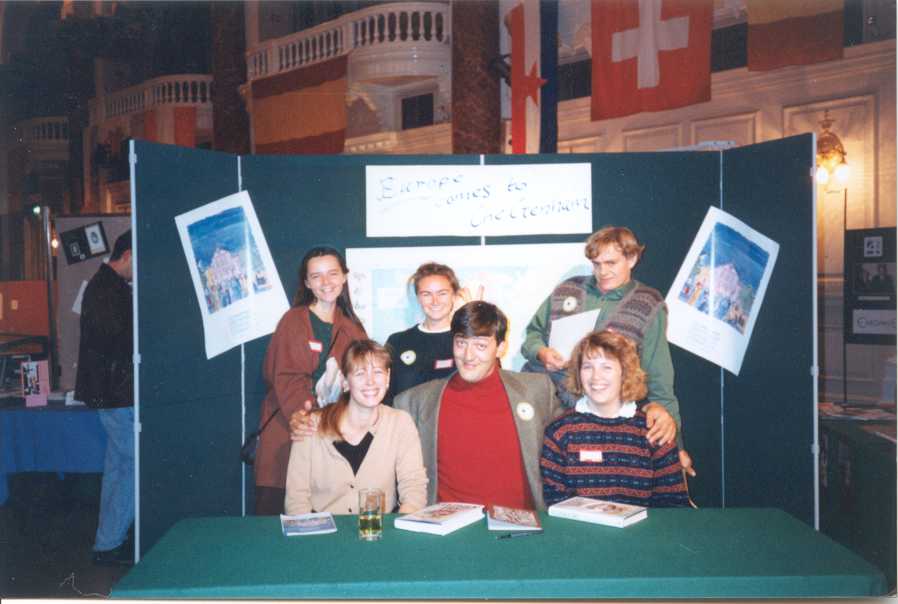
[649,55]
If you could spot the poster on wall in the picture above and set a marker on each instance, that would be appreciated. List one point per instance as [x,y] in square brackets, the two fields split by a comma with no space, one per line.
[237,285]
[465,201]
[870,294]
[84,242]
[516,278]
[35,383]
[716,297]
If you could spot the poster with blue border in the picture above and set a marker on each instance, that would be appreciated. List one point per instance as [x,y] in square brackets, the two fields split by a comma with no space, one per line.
[237,285]
[719,290]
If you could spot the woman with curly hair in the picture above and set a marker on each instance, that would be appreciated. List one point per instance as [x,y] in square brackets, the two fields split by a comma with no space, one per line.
[600,449]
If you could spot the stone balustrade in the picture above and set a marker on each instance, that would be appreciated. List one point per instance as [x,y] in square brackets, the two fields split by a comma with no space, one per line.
[41,130]
[385,25]
[187,89]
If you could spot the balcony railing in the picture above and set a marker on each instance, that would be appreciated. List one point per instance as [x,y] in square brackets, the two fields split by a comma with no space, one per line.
[418,23]
[41,130]
[187,89]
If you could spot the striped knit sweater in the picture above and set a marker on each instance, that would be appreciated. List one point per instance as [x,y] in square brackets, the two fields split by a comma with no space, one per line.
[630,470]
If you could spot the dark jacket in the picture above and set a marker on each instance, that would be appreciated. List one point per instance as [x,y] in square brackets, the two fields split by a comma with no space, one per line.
[105,377]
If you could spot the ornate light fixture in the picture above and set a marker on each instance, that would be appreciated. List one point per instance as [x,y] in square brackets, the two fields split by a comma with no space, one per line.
[830,154]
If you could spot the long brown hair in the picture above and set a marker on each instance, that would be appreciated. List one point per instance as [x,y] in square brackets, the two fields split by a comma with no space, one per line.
[358,353]
[305,297]
[615,346]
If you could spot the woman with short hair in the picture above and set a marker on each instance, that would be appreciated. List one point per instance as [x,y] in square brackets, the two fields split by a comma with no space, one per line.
[600,448]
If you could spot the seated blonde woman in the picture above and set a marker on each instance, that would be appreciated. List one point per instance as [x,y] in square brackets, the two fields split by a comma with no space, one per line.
[360,443]
[600,449]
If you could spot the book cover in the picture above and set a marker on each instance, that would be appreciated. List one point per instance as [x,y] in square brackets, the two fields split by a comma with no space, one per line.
[598,511]
[440,518]
[319,523]
[501,518]
[35,383]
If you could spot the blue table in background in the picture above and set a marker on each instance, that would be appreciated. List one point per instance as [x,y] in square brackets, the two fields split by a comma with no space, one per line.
[49,439]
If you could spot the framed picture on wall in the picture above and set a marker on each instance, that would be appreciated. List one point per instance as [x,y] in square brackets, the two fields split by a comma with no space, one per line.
[84,242]
[96,239]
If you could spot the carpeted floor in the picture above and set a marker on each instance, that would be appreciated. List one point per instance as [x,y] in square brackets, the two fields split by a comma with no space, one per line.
[46,533]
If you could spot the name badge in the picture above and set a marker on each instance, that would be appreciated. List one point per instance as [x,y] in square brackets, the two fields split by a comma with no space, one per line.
[442,363]
[593,456]
[316,345]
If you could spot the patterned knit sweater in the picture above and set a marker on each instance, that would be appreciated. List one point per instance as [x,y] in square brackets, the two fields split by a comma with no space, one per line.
[611,459]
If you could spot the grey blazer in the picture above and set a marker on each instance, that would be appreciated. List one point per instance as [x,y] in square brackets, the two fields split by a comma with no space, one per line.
[533,406]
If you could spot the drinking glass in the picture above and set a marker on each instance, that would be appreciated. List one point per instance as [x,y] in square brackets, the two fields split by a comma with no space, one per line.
[371,514]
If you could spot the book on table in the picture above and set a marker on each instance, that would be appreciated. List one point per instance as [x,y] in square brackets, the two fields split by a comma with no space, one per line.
[440,518]
[502,518]
[599,511]
[316,523]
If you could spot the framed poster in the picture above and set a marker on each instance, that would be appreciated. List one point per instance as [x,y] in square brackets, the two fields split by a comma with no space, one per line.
[869,288]
[85,242]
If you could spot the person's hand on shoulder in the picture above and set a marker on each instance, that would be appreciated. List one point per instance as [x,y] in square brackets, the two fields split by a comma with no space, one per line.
[551,359]
[303,423]
[661,424]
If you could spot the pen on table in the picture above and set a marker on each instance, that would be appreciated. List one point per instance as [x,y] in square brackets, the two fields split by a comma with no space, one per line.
[514,535]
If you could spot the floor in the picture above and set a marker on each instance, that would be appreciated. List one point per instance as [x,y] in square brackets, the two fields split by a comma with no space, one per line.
[46,532]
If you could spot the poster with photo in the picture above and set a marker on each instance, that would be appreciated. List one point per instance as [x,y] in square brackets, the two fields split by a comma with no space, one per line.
[716,297]
[96,239]
[237,285]
[35,383]
[516,278]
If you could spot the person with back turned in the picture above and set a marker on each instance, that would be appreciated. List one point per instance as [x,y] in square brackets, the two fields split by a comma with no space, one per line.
[105,381]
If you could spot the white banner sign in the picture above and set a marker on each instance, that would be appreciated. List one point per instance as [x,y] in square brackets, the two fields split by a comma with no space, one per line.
[873,322]
[462,201]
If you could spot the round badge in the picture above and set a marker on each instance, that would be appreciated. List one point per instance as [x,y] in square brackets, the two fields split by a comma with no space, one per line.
[408,357]
[569,304]
[524,411]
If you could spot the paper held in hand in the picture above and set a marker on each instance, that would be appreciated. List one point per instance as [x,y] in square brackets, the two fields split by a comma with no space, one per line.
[567,331]
[440,518]
[501,518]
[318,523]
[599,511]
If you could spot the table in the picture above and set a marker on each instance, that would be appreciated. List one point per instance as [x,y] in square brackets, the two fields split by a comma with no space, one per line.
[49,439]
[675,553]
[857,489]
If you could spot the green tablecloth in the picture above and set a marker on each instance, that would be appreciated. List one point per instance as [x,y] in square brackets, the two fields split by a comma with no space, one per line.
[680,553]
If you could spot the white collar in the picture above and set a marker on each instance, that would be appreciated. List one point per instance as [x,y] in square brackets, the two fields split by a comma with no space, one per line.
[425,330]
[627,410]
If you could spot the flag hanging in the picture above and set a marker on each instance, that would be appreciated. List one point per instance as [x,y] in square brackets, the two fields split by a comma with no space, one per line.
[649,55]
[301,111]
[533,25]
[798,32]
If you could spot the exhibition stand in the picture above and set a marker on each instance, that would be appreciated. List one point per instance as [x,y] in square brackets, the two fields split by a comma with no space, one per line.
[745,432]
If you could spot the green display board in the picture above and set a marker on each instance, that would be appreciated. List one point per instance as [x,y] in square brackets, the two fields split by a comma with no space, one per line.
[191,409]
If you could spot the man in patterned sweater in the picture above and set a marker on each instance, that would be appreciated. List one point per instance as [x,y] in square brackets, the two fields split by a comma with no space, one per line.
[601,449]
[626,306]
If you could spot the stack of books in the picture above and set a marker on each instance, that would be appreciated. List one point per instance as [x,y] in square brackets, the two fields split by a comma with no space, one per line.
[440,518]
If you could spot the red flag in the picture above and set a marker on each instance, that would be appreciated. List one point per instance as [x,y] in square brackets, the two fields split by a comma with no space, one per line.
[794,32]
[649,55]
[524,26]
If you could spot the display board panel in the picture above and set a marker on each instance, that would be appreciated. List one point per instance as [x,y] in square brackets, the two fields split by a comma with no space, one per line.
[302,201]
[189,408]
[769,418]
